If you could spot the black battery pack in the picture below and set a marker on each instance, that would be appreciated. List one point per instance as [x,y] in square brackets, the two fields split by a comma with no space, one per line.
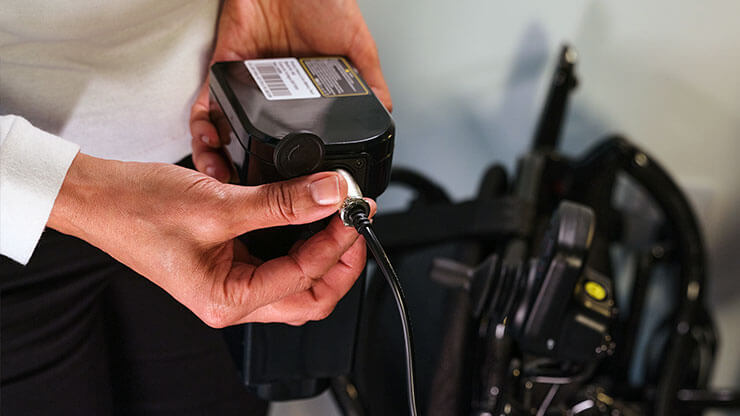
[282,118]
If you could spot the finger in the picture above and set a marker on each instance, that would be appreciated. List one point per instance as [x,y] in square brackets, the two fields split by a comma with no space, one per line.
[210,161]
[327,291]
[373,206]
[201,127]
[297,201]
[294,248]
[364,54]
[339,279]
[312,260]
[252,287]
[317,302]
[205,141]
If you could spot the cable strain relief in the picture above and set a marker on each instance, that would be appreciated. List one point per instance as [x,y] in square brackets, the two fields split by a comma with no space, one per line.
[359,220]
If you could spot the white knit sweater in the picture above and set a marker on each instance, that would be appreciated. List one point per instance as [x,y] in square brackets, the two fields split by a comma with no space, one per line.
[112,78]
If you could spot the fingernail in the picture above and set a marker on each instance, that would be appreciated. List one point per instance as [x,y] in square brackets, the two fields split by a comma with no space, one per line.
[206,140]
[211,171]
[326,191]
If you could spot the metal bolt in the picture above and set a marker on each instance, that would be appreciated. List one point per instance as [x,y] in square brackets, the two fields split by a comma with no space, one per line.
[571,56]
[641,159]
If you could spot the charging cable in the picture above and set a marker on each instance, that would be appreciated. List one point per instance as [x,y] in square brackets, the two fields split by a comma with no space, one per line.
[355,212]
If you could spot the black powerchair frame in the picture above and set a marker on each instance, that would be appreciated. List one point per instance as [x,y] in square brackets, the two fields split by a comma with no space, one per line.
[473,363]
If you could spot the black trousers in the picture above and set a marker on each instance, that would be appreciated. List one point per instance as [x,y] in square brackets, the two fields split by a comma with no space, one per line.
[81,334]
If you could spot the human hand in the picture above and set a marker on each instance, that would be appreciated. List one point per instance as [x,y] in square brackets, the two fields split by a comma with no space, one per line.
[250,29]
[177,227]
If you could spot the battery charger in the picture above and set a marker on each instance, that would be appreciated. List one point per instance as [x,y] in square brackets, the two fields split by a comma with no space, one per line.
[282,118]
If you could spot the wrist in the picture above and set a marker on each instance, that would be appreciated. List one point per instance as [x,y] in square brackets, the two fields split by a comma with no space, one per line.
[85,187]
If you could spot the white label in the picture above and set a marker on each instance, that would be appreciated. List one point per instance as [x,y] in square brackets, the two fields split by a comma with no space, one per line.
[281,79]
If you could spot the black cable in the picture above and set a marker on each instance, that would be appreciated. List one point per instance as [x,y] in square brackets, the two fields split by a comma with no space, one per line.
[355,212]
[363,226]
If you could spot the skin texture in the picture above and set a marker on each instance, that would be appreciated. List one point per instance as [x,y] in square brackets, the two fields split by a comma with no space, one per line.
[250,29]
[177,227]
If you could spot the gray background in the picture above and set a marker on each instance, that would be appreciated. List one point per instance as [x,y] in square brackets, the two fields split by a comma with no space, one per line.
[468,79]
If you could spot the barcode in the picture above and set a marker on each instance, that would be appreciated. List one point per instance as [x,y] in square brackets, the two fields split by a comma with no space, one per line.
[273,82]
[281,79]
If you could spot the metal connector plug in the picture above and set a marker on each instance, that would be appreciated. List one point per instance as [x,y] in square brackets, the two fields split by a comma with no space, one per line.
[354,203]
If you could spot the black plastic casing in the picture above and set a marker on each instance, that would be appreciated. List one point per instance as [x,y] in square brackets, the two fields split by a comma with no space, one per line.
[355,133]
[555,317]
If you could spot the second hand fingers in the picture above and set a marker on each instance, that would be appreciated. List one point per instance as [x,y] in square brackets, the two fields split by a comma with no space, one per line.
[364,54]
[201,127]
[317,302]
[207,157]
[339,280]
[210,161]
[296,272]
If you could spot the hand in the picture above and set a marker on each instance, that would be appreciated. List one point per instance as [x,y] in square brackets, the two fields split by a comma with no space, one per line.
[251,29]
[177,227]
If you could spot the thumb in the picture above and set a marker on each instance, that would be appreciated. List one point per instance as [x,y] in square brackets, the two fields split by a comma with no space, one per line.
[296,201]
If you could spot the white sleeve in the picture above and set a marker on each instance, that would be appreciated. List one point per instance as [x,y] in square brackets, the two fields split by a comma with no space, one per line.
[33,165]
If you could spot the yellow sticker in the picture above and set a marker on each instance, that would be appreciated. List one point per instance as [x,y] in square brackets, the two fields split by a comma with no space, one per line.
[334,77]
[595,290]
